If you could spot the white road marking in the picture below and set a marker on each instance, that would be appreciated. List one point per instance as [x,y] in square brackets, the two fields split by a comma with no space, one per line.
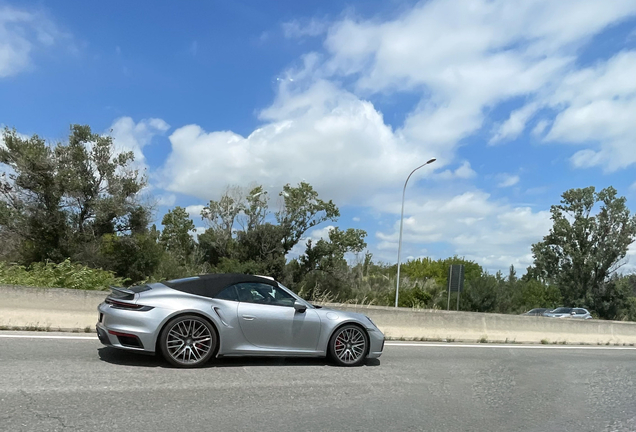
[510,346]
[23,336]
[396,344]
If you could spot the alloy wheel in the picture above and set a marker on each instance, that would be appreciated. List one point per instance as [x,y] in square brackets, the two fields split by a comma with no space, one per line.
[188,341]
[350,345]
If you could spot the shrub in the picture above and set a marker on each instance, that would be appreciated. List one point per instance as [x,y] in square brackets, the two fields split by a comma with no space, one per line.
[63,275]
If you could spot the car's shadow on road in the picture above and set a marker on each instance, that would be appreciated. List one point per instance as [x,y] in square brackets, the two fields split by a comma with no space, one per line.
[126,358]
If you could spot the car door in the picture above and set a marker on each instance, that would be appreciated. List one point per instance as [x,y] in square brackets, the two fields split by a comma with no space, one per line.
[268,319]
[225,306]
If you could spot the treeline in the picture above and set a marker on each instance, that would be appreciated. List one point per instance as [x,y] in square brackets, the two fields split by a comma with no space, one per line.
[71,207]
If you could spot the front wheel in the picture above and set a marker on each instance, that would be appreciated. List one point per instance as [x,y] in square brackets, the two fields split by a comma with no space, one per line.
[349,346]
[188,341]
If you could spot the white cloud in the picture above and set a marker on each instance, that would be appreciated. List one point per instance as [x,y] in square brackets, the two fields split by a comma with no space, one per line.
[630,261]
[516,123]
[586,159]
[130,136]
[600,108]
[491,233]
[299,28]
[507,180]
[194,211]
[166,200]
[540,127]
[465,59]
[323,135]
[462,59]
[356,219]
[463,172]
[23,32]
[633,186]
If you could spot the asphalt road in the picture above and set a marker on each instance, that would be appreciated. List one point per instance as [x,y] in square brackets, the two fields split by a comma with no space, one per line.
[78,385]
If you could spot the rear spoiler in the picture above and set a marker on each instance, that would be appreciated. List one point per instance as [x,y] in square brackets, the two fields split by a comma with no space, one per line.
[122,293]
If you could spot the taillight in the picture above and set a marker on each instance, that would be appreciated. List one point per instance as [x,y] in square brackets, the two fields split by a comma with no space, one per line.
[116,304]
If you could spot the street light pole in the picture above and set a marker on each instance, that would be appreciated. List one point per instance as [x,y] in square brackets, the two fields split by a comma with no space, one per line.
[397,287]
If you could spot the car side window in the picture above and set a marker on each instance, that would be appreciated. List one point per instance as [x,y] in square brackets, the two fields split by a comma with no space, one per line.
[263,294]
[579,311]
[228,293]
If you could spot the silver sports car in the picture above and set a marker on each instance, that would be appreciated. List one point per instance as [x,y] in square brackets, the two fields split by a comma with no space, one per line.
[193,319]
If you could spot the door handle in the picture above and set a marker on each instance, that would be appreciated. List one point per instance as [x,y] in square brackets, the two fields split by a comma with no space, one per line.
[248,317]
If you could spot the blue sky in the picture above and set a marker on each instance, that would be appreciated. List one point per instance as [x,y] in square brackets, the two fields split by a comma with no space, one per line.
[518,101]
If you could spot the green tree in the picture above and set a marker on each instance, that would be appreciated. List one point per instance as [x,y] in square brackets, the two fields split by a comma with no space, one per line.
[31,198]
[535,294]
[480,295]
[176,237]
[425,268]
[60,199]
[221,217]
[134,257]
[241,229]
[100,186]
[323,268]
[329,255]
[584,247]
[301,211]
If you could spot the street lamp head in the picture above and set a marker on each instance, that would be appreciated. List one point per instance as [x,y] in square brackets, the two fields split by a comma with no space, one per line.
[431,161]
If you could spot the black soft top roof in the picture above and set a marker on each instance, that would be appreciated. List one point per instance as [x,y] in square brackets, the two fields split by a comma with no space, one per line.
[210,285]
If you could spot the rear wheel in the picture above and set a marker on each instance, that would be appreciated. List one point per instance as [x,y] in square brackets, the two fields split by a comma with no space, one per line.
[188,341]
[349,346]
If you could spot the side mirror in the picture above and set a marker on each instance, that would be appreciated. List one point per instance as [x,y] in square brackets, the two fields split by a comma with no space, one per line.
[572,313]
[300,308]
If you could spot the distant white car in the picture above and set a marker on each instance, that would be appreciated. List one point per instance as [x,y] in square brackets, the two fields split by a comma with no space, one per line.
[565,312]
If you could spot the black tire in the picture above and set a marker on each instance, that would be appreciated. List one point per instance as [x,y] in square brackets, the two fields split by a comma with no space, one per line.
[345,348]
[197,337]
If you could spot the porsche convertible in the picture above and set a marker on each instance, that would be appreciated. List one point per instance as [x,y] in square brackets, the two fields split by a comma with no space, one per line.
[191,320]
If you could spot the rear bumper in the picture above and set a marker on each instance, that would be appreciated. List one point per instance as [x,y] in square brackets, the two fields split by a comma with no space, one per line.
[102,335]
[127,341]
[129,330]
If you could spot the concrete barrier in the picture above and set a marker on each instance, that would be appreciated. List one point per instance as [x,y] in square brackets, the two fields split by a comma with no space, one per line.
[436,325]
[56,309]
[75,310]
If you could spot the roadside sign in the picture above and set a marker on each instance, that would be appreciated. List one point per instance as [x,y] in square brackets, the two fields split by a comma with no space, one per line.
[456,278]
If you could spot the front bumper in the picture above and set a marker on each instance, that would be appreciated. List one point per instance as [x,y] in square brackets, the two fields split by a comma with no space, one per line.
[376,343]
